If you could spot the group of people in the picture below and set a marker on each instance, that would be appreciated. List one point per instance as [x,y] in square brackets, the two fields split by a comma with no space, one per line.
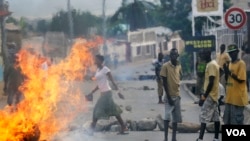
[230,71]
[168,76]
[226,73]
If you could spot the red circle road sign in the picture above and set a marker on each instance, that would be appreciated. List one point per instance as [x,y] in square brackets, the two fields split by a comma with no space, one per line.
[235,18]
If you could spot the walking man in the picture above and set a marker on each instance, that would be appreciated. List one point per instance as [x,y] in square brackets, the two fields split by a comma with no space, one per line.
[236,90]
[171,76]
[209,109]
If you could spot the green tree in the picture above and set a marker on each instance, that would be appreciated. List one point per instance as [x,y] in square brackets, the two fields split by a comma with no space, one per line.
[173,14]
[12,20]
[60,22]
[227,4]
[138,14]
[82,22]
[42,26]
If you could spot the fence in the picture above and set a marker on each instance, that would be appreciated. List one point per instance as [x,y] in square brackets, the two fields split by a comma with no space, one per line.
[228,36]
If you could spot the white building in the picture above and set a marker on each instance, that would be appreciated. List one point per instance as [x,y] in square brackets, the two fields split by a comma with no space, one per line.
[147,43]
[143,44]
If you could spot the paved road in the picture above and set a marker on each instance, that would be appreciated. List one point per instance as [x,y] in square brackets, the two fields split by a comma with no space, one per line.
[144,104]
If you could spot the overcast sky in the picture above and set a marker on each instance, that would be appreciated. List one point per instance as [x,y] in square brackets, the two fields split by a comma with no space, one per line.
[46,8]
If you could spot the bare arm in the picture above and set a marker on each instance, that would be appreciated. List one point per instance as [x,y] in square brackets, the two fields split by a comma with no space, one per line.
[112,80]
[235,77]
[165,85]
[89,97]
[94,90]
[210,86]
[229,73]
[114,84]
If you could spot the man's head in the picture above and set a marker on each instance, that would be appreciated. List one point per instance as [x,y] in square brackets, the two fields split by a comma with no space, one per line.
[233,51]
[99,59]
[222,48]
[206,55]
[160,56]
[173,54]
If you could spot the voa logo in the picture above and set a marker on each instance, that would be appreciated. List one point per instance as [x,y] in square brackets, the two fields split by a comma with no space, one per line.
[236,132]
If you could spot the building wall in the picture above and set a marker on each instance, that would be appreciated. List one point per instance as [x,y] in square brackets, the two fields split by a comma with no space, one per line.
[147,43]
[115,49]
[176,42]
[243,4]
[144,44]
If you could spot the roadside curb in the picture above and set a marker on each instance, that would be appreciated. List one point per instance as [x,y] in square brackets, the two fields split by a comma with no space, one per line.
[188,91]
[246,111]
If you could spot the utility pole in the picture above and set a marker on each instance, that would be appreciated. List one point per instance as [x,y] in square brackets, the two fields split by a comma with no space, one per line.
[71,28]
[105,48]
[248,29]
[4,11]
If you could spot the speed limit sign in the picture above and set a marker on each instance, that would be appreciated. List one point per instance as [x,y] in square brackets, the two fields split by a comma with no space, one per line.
[235,18]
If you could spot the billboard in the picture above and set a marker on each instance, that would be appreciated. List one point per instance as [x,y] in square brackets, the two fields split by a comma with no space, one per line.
[197,43]
[207,7]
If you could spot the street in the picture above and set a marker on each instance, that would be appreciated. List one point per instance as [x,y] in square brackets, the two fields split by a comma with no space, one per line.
[144,104]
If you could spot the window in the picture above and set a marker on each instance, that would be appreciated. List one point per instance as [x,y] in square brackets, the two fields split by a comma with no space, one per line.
[138,50]
[160,46]
[174,44]
[165,45]
[148,49]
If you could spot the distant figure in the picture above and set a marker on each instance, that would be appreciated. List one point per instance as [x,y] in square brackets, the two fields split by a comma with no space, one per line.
[14,79]
[236,90]
[12,50]
[105,106]
[158,64]
[200,72]
[209,108]
[171,76]
[115,61]
[222,59]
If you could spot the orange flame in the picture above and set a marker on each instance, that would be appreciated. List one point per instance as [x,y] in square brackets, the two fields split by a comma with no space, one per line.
[50,99]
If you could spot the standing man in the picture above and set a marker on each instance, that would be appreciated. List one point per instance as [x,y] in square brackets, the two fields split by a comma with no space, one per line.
[236,98]
[246,59]
[209,110]
[14,79]
[221,59]
[171,76]
[158,65]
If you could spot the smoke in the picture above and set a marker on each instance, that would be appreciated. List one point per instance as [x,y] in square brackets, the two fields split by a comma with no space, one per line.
[46,8]
[132,71]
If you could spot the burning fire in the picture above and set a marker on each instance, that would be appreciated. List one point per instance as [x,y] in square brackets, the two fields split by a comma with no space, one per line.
[50,99]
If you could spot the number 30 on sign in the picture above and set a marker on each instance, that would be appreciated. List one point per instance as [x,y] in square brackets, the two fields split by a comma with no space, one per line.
[235,18]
